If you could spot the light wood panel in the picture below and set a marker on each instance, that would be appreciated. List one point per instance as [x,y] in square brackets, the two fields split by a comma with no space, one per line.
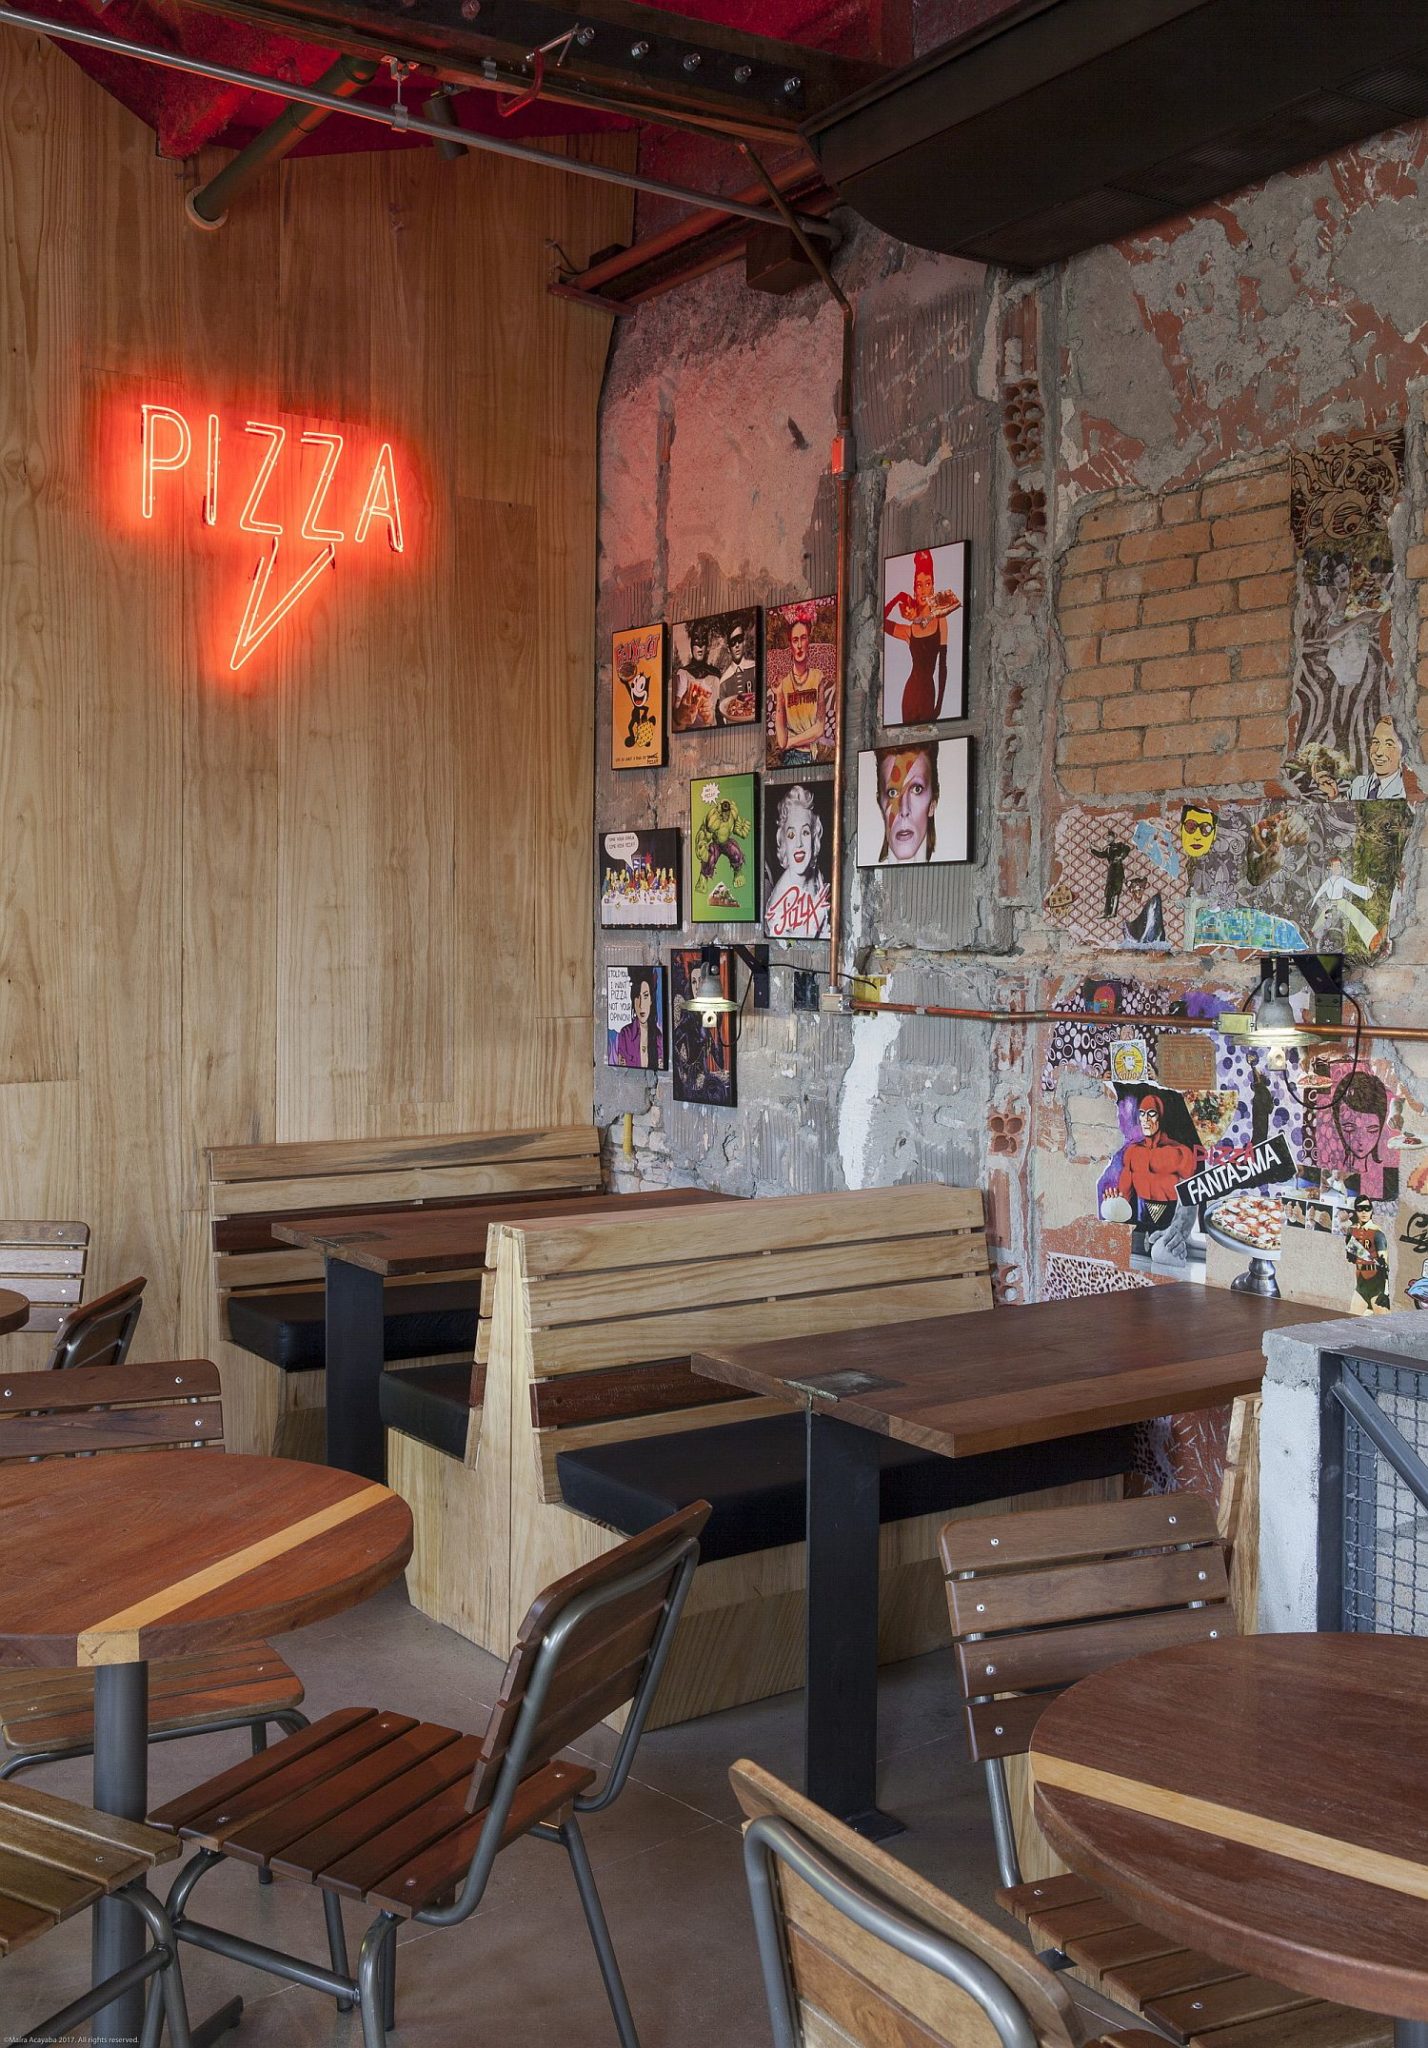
[350,897]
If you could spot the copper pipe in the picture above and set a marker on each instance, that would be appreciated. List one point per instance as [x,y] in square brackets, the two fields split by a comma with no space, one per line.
[844,468]
[1413,1032]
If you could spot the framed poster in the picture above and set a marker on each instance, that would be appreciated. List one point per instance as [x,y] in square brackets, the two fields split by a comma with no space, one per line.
[914,804]
[798,847]
[635,1028]
[925,635]
[703,1057]
[639,880]
[637,723]
[722,867]
[801,678]
[717,670]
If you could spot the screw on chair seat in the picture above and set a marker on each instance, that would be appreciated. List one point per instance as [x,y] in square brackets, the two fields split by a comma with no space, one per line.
[51,1713]
[366,1804]
[57,1858]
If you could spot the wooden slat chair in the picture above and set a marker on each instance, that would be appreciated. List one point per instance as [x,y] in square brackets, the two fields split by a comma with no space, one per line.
[594,1424]
[58,1858]
[45,1262]
[46,1714]
[270,1321]
[1038,1601]
[858,1951]
[410,1816]
[100,1332]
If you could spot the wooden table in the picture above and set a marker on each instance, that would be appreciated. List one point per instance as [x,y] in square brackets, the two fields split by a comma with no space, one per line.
[14,1309]
[958,1385]
[1263,1799]
[362,1251]
[141,1554]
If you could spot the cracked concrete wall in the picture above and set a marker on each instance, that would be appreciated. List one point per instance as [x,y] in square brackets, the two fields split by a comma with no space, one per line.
[989,408]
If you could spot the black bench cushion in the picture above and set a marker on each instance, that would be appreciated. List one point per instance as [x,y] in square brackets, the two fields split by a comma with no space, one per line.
[752,1474]
[430,1402]
[288,1327]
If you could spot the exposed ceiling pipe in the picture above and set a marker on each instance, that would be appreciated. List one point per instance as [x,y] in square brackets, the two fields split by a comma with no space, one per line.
[208,206]
[397,118]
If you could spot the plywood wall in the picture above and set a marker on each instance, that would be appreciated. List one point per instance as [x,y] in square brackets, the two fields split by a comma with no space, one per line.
[350,897]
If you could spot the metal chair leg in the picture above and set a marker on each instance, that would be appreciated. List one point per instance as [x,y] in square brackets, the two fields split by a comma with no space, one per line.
[575,1849]
[337,1942]
[371,1980]
[389,1979]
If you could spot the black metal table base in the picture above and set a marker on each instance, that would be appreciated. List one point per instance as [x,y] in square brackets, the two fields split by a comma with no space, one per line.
[217,2023]
[121,1786]
[356,1339]
[841,1691]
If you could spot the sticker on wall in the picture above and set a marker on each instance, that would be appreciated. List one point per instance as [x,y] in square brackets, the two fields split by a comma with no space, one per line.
[1113,883]
[1185,1060]
[635,1016]
[1341,503]
[1366,1251]
[703,1057]
[716,663]
[1161,1149]
[639,880]
[797,846]
[1352,1130]
[925,635]
[914,804]
[801,683]
[721,849]
[637,728]
[1129,1060]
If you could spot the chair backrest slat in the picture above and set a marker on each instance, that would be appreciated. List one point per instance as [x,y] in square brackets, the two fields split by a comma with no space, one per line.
[107,1408]
[101,1332]
[1043,1598]
[851,1986]
[590,1636]
[45,1262]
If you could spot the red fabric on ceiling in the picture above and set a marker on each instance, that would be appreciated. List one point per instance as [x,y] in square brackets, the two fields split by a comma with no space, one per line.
[187,113]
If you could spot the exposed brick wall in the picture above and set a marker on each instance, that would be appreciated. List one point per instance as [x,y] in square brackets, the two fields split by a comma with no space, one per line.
[1174,614]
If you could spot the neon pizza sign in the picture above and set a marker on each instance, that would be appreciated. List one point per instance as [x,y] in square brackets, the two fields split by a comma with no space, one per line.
[306,494]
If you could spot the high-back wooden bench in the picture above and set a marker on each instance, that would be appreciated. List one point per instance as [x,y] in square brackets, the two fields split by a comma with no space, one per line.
[593,1421]
[269,1324]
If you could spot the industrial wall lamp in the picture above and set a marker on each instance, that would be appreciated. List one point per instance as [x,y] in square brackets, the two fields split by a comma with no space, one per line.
[709,999]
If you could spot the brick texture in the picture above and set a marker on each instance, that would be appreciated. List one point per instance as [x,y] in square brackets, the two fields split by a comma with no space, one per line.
[1175,617]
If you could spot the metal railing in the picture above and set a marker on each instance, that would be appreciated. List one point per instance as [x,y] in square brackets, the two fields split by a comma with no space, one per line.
[1373,1538]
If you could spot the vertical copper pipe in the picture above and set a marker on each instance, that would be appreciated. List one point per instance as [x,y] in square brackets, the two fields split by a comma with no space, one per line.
[844,468]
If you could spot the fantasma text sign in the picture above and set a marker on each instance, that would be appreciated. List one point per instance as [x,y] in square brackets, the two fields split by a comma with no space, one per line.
[291,499]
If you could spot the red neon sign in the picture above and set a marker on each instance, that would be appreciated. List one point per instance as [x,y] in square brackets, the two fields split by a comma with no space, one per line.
[282,490]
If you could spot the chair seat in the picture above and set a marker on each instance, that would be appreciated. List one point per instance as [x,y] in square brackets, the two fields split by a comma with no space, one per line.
[288,1326]
[752,1474]
[1195,1999]
[367,1804]
[57,1857]
[53,1711]
[431,1403]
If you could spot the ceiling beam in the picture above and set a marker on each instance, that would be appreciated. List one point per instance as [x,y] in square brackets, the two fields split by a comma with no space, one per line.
[624,57]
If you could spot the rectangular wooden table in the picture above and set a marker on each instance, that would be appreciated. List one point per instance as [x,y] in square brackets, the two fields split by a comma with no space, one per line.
[959,1385]
[361,1251]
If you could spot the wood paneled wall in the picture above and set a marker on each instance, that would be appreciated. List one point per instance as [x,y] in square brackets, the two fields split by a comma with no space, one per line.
[350,896]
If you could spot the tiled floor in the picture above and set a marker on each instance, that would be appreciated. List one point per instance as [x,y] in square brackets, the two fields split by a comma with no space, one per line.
[521,1972]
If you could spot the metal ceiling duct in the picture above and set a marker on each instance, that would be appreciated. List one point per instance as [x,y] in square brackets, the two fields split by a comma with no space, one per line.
[1064,123]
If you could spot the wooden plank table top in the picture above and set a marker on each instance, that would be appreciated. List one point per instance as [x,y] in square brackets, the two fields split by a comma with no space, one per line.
[145,1554]
[1261,1798]
[449,1239]
[14,1309]
[999,1377]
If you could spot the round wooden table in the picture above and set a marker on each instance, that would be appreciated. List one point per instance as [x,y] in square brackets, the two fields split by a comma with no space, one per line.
[14,1309]
[1263,1799]
[151,1554]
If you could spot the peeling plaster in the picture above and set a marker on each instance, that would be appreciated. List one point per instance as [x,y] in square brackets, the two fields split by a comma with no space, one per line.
[873,1038]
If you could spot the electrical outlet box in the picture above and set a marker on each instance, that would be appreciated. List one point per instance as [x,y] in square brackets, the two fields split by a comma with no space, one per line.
[805,989]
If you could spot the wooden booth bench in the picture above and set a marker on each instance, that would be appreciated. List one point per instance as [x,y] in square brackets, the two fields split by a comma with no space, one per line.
[270,1332]
[591,1425]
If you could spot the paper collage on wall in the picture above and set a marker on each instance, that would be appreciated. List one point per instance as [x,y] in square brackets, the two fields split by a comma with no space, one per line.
[1171,1153]
[801,683]
[635,1016]
[722,870]
[797,849]
[924,635]
[715,663]
[637,727]
[914,803]
[703,1054]
[639,880]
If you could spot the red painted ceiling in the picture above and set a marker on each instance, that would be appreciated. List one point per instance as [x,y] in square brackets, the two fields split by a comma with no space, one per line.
[186,113]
